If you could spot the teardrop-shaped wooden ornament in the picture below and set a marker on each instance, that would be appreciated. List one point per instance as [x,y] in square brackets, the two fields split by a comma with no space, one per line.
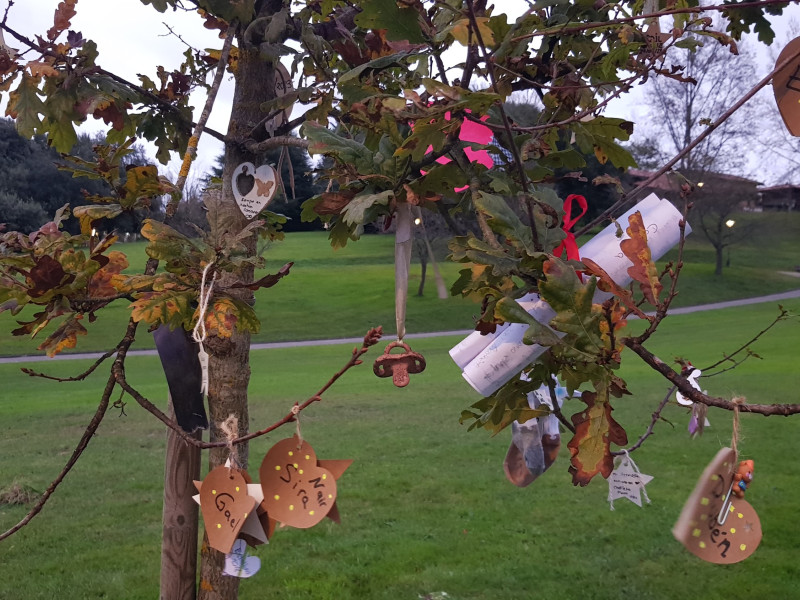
[699,528]
[786,86]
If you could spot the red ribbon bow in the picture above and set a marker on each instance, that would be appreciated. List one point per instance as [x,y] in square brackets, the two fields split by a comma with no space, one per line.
[569,243]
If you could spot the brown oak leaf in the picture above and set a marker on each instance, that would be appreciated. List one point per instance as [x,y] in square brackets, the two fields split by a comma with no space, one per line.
[595,431]
[643,270]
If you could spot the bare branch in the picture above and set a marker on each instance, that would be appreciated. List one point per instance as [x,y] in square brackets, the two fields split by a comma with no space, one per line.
[695,395]
[711,128]
[76,454]
[655,418]
[79,377]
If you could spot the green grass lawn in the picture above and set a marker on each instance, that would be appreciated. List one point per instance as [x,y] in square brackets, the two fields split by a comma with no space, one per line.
[425,507]
[332,294]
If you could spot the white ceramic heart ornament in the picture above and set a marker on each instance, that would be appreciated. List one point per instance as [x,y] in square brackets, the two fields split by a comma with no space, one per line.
[253,187]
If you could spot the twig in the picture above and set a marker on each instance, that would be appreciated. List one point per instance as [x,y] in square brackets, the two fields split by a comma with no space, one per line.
[782,316]
[568,29]
[372,337]
[76,454]
[80,377]
[655,418]
[191,147]
[695,395]
[625,198]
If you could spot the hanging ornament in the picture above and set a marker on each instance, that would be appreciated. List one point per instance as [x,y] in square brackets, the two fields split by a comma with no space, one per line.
[253,188]
[399,366]
[299,490]
[713,525]
[535,443]
[225,505]
[627,481]
[786,86]
[238,563]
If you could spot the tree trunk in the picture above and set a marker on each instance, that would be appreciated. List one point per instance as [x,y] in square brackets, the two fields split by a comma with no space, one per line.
[229,368]
[718,265]
[179,537]
[424,264]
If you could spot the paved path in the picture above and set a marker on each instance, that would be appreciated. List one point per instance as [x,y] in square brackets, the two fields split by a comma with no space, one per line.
[357,340]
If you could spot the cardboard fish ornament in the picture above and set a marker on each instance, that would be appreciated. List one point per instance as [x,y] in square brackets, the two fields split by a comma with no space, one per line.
[715,525]
[786,86]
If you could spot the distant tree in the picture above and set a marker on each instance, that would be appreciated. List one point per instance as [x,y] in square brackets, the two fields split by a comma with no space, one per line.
[715,206]
[716,74]
[34,184]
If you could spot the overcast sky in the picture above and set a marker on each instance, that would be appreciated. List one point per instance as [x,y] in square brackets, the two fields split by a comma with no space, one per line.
[133,38]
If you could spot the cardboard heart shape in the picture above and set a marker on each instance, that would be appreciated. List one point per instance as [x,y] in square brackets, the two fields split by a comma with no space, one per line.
[297,490]
[786,86]
[698,528]
[253,187]
[239,564]
[225,506]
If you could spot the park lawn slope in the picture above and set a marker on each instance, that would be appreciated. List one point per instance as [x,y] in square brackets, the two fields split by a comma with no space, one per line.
[425,506]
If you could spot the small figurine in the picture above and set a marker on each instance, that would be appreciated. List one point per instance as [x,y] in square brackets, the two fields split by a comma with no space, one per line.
[742,478]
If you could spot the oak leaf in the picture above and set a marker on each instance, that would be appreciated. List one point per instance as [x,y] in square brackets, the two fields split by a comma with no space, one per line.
[109,280]
[607,284]
[46,275]
[65,336]
[643,270]
[61,19]
[595,431]
[169,307]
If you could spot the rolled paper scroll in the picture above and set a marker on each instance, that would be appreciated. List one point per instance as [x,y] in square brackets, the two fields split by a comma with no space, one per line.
[506,355]
[466,350]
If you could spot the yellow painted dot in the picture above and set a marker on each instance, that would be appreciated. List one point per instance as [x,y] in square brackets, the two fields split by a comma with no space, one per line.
[291,507]
[696,533]
[702,544]
[295,465]
[300,471]
[237,488]
[330,495]
[308,457]
[740,515]
[733,529]
[714,477]
[703,517]
[742,547]
[277,497]
[731,510]
[311,512]
[214,492]
[245,515]
[291,453]
[277,467]
[324,476]
[704,501]
[219,526]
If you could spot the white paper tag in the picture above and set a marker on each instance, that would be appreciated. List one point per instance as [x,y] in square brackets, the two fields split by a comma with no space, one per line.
[238,564]
[626,481]
[202,355]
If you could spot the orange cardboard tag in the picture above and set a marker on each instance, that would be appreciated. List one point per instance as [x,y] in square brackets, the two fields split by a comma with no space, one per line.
[298,491]
[786,86]
[698,528]
[225,506]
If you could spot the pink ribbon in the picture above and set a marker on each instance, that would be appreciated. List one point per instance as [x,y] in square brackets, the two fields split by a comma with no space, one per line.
[569,244]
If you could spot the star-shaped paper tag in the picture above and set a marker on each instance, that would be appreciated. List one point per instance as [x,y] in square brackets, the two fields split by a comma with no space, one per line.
[626,481]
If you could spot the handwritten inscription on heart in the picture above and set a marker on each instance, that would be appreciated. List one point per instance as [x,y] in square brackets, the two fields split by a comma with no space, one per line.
[698,527]
[297,491]
[225,506]
[253,187]
[786,86]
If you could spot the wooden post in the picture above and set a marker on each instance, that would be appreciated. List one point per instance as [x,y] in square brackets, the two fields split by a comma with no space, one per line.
[180,521]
